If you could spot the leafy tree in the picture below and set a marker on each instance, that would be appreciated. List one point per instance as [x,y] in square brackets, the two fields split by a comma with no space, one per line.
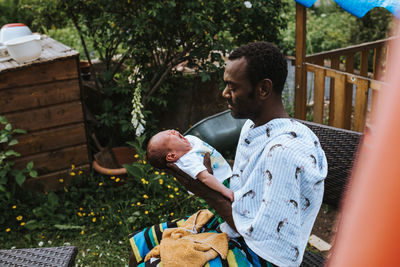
[146,40]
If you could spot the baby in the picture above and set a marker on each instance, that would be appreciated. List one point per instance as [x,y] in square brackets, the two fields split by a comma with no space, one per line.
[188,153]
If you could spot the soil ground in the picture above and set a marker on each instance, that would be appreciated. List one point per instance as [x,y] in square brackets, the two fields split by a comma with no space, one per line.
[325,226]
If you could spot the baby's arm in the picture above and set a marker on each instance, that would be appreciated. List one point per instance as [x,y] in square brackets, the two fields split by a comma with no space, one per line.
[214,184]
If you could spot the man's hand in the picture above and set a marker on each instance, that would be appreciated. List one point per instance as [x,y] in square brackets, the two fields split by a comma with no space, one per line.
[213,198]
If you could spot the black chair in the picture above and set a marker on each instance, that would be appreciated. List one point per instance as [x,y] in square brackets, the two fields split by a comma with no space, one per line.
[32,257]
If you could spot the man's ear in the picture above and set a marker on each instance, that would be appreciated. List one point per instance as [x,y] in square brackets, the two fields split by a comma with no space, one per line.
[170,157]
[265,89]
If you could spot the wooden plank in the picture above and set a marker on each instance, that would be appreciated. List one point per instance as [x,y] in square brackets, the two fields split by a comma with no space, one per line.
[360,110]
[374,101]
[378,59]
[350,49]
[300,72]
[51,139]
[55,160]
[52,181]
[27,97]
[348,106]
[41,73]
[338,105]
[47,117]
[335,66]
[364,63]
[319,95]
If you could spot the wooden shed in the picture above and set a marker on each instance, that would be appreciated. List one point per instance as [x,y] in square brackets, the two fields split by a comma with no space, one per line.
[43,97]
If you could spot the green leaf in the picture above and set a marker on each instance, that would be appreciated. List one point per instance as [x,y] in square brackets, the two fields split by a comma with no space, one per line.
[12,153]
[68,227]
[13,142]
[3,120]
[33,173]
[20,178]
[133,170]
[31,225]
[52,199]
[29,166]
[19,131]
[8,127]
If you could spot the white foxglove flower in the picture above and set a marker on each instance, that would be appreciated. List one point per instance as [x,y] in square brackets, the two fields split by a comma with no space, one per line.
[247,4]
[137,121]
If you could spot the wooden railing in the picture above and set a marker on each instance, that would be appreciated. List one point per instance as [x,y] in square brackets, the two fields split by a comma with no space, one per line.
[340,115]
[358,65]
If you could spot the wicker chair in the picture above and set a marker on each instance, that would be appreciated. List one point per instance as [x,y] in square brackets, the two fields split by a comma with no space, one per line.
[32,257]
[340,146]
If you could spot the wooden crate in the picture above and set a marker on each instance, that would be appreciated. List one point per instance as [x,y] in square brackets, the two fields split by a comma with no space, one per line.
[43,97]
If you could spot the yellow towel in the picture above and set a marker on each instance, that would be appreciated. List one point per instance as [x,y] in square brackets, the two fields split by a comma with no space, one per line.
[182,246]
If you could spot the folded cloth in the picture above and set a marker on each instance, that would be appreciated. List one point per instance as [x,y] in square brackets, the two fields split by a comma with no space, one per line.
[184,246]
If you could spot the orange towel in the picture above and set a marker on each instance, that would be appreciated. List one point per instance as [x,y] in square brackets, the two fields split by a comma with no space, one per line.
[183,246]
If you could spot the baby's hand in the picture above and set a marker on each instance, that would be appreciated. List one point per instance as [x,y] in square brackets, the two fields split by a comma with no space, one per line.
[229,194]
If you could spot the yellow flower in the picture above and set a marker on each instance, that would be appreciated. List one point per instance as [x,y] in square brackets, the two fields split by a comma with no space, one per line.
[72,166]
[174,178]
[161,204]
[161,181]
[102,217]
[138,203]
[82,232]
[172,214]
[102,208]
[171,196]
[94,219]
[168,186]
[132,205]
[146,212]
[84,214]
[117,180]
[80,208]
[145,196]
[14,207]
[156,173]
[120,222]
[136,156]
[92,213]
[22,223]
[112,177]
[118,211]
[163,173]
[100,184]
[42,237]
[19,218]
[177,193]
[176,189]
[8,229]
[144,162]
[80,172]
[79,214]
[61,180]
[72,173]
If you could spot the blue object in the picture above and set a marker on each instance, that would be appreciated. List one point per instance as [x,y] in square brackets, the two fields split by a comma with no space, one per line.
[359,8]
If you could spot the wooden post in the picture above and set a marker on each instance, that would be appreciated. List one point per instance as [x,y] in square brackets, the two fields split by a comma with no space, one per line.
[338,109]
[300,71]
[335,63]
[360,110]
[319,95]
[349,92]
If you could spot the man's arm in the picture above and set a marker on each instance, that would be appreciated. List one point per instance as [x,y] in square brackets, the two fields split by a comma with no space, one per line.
[213,198]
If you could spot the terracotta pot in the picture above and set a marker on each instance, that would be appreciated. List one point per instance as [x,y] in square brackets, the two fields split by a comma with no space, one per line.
[123,155]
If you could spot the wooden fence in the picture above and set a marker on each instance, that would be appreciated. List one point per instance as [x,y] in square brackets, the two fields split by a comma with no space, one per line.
[358,65]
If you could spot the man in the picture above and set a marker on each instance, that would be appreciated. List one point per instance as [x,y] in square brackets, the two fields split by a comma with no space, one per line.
[279,165]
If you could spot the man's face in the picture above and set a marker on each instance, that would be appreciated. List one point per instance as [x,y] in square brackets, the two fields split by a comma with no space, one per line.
[239,92]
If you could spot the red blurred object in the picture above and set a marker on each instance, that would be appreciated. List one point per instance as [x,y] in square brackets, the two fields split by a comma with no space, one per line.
[369,232]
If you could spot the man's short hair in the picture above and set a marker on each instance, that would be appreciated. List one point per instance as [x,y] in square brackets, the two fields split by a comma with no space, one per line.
[264,60]
[156,156]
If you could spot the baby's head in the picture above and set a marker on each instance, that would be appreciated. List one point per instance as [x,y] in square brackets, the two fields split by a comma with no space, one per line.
[165,147]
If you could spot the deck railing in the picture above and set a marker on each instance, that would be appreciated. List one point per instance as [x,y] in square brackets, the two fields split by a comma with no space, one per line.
[355,66]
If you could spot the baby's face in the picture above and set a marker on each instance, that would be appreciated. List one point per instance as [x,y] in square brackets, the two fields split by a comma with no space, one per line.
[173,140]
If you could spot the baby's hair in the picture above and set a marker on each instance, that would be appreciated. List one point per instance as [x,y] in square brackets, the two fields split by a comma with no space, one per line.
[156,155]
